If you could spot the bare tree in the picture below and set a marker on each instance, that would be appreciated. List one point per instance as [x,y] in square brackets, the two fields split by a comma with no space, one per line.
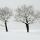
[25,15]
[5,14]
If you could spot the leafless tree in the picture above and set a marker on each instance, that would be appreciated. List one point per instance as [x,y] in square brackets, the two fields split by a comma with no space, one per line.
[5,14]
[25,15]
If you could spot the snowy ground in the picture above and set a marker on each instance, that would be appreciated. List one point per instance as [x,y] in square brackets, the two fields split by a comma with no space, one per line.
[20,36]
[17,32]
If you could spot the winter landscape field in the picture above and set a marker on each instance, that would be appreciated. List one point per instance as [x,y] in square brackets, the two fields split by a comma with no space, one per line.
[17,30]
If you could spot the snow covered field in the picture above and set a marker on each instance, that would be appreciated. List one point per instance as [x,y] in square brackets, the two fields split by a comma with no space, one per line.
[20,36]
[17,31]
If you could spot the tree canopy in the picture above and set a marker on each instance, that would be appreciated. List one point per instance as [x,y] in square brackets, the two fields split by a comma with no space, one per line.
[5,13]
[24,13]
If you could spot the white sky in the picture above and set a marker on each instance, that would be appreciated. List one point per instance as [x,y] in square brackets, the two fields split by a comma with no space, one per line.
[15,3]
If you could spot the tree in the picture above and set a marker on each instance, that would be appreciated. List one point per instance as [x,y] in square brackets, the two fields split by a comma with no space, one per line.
[25,15]
[5,14]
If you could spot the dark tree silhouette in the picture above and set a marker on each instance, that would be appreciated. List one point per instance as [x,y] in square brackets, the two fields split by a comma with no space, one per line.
[5,14]
[25,15]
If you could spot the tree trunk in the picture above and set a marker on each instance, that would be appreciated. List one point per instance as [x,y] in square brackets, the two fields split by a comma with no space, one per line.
[6,26]
[27,26]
